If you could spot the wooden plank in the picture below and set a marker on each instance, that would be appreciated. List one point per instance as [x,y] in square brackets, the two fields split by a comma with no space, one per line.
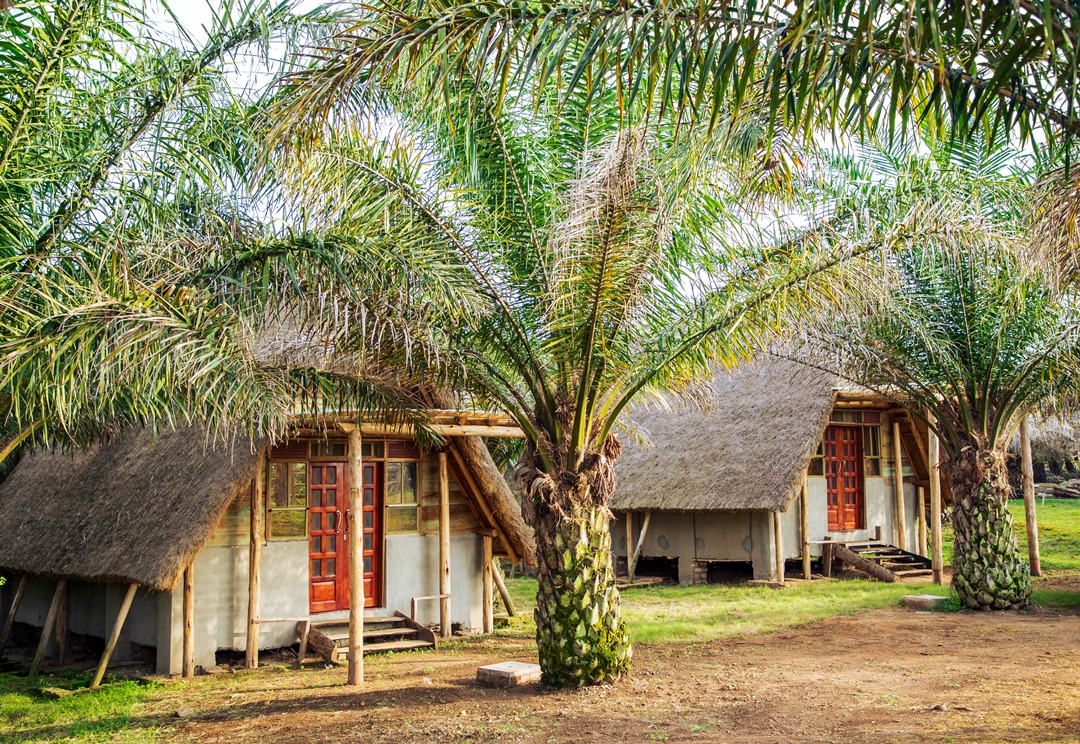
[356,560]
[444,545]
[1031,520]
[114,636]
[423,632]
[62,628]
[255,539]
[921,496]
[898,488]
[10,621]
[629,541]
[778,547]
[804,526]
[189,621]
[444,430]
[826,558]
[500,584]
[934,454]
[867,566]
[632,566]
[46,630]
[489,619]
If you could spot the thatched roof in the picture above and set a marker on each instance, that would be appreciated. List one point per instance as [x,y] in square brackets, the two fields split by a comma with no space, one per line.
[746,450]
[136,510]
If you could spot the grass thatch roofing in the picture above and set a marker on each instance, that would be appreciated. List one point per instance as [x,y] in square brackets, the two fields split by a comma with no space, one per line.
[746,450]
[136,510]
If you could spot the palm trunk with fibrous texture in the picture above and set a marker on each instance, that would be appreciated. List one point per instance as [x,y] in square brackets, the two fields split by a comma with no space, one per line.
[988,569]
[581,636]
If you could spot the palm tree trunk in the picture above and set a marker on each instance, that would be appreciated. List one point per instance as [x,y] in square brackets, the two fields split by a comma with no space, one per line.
[580,634]
[988,569]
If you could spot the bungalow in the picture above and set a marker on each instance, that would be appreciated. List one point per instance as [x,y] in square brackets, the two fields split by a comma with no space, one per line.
[780,459]
[204,548]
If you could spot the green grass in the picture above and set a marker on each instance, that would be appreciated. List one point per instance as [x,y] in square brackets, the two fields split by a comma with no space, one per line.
[108,714]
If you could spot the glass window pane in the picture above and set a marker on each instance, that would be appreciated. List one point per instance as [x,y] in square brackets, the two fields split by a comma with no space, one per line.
[299,484]
[331,476]
[408,483]
[316,545]
[368,565]
[316,521]
[316,568]
[817,466]
[330,497]
[316,498]
[369,476]
[401,519]
[873,466]
[331,544]
[331,567]
[365,450]
[369,520]
[393,483]
[368,497]
[369,541]
[284,523]
[316,475]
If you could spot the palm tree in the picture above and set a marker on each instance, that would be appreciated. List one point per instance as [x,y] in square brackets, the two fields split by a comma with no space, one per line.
[971,335]
[139,270]
[618,260]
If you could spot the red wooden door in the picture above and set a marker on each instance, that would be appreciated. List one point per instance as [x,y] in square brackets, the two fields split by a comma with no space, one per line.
[844,477]
[329,562]
[371,527]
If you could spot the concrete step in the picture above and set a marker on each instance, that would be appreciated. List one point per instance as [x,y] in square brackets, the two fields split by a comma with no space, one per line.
[377,648]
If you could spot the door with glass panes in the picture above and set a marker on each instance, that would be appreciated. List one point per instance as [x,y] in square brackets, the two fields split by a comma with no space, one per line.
[328,491]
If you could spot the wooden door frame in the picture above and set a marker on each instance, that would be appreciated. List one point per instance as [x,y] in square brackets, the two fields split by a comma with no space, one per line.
[860,482]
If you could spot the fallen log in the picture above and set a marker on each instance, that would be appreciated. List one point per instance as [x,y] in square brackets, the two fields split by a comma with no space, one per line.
[862,564]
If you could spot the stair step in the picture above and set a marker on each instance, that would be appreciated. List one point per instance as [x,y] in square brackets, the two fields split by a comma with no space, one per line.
[915,572]
[375,648]
[343,635]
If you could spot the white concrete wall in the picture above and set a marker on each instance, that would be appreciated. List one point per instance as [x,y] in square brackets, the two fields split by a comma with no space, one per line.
[412,570]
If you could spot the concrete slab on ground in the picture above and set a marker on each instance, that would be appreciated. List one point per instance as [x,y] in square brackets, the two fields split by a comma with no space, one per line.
[508,674]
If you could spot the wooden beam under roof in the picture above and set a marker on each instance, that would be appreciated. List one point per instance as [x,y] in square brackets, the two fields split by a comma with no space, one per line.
[443,423]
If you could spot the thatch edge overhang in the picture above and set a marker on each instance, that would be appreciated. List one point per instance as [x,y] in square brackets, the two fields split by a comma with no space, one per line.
[124,511]
[747,452]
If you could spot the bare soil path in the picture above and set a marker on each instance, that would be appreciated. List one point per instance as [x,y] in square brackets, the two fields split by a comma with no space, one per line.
[874,677]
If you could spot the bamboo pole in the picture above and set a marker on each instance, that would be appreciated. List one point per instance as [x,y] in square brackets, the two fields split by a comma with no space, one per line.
[501,586]
[921,492]
[1031,520]
[898,489]
[15,602]
[489,618]
[629,542]
[804,526]
[778,545]
[62,628]
[355,538]
[46,630]
[189,621]
[632,567]
[444,546]
[258,496]
[114,636]
[934,454]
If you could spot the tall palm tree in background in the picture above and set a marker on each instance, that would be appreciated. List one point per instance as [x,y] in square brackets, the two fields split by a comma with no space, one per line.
[144,264]
[618,258]
[970,333]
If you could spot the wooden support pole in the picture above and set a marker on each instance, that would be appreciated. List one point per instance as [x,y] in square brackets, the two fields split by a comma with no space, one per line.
[46,630]
[921,492]
[444,546]
[826,558]
[501,586]
[189,621]
[778,546]
[898,489]
[258,496]
[15,602]
[355,539]
[114,636]
[62,628]
[632,567]
[804,526]
[934,455]
[629,542]
[1031,520]
[489,618]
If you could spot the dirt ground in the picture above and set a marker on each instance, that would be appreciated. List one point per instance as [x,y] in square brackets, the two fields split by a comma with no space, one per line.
[884,676]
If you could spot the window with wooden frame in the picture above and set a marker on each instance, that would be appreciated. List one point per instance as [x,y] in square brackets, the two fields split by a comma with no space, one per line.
[287,501]
[328,449]
[871,424]
[402,494]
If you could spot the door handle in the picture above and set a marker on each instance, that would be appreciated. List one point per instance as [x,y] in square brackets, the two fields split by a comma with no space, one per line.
[337,519]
